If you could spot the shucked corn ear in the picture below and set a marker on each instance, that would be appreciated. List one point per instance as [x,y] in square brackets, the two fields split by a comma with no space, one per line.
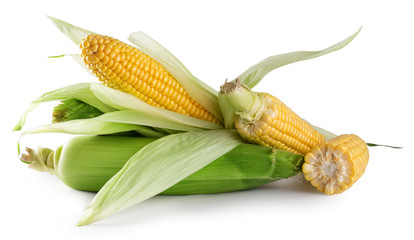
[125,68]
[88,162]
[334,166]
[263,119]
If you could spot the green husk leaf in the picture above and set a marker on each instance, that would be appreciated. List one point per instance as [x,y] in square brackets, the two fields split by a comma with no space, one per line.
[381,145]
[145,119]
[92,126]
[137,119]
[74,33]
[73,109]
[246,166]
[125,101]
[227,111]
[197,89]
[80,91]
[252,76]
[158,166]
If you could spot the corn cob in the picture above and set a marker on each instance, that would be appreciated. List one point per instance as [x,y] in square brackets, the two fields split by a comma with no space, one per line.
[125,68]
[88,162]
[334,166]
[263,119]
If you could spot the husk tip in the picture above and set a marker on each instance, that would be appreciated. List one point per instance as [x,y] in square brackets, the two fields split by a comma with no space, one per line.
[17,128]
[89,216]
[82,223]
[54,20]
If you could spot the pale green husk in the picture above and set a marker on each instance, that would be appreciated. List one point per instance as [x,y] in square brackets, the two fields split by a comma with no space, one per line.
[158,166]
[112,123]
[252,76]
[125,101]
[80,91]
[227,111]
[197,89]
[103,124]
[122,112]
[74,33]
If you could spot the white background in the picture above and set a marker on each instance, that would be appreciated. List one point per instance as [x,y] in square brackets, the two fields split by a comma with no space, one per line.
[364,88]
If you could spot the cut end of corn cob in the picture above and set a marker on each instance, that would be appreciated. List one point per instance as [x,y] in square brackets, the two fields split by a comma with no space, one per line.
[334,166]
[263,119]
[125,68]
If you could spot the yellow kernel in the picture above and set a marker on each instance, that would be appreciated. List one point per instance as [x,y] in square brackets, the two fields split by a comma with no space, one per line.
[93,41]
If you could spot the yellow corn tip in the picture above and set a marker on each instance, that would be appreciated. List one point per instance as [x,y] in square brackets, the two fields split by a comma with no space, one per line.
[279,127]
[125,68]
[334,166]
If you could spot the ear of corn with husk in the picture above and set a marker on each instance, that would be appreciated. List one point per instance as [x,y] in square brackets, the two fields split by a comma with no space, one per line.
[125,68]
[88,162]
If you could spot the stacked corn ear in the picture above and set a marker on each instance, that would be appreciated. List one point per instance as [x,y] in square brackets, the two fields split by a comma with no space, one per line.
[125,68]
[88,162]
